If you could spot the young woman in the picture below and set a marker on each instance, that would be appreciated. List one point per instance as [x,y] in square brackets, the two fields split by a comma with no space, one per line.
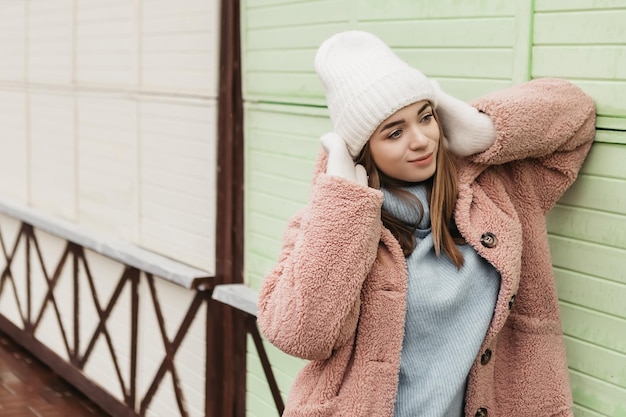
[418,279]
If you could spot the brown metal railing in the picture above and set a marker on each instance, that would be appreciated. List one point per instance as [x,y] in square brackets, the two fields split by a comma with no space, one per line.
[31,312]
[253,330]
[244,300]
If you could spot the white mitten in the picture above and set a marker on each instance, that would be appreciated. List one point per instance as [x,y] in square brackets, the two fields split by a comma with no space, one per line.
[467,130]
[340,163]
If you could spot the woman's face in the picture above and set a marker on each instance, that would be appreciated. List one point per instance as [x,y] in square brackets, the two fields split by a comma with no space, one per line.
[405,145]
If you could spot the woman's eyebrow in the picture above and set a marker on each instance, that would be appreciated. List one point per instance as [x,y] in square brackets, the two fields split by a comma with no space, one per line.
[391,124]
[397,122]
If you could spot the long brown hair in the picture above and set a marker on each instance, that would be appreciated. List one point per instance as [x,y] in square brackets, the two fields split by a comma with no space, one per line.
[442,200]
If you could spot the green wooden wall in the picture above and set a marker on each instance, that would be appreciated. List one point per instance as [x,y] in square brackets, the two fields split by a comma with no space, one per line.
[471,48]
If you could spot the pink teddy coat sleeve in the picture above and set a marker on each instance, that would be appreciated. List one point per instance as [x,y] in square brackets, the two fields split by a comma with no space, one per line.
[310,302]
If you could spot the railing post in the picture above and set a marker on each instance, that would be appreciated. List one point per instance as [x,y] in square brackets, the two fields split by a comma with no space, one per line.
[226,337]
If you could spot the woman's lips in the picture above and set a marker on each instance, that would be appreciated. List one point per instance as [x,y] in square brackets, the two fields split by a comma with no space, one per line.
[422,160]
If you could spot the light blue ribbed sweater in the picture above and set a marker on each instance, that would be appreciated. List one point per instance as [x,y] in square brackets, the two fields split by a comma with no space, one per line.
[448,314]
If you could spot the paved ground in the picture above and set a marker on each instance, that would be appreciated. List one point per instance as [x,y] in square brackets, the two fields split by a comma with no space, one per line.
[30,389]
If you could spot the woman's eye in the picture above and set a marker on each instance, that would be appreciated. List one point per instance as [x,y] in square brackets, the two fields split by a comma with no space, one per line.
[427,118]
[395,134]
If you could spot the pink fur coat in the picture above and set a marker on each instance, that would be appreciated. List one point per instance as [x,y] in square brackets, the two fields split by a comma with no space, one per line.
[337,294]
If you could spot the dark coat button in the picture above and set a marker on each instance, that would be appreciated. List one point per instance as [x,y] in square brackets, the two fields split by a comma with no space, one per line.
[511,302]
[488,240]
[481,412]
[485,357]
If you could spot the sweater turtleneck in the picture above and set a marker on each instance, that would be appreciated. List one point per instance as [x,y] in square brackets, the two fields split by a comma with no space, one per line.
[449,310]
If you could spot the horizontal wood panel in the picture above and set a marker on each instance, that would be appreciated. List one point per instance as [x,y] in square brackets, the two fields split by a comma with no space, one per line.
[290,88]
[290,37]
[279,185]
[607,194]
[258,402]
[598,395]
[282,144]
[289,74]
[589,258]
[601,62]
[588,225]
[280,166]
[608,96]
[469,89]
[262,265]
[594,27]
[280,207]
[283,379]
[497,32]
[284,61]
[490,63]
[591,292]
[580,411]
[597,362]
[474,33]
[298,14]
[279,143]
[606,160]
[249,4]
[303,125]
[401,9]
[564,5]
[594,327]
[616,136]
[475,62]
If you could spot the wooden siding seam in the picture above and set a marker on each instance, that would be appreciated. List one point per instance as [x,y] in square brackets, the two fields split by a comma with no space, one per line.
[588,411]
[581,10]
[605,279]
[598,380]
[590,277]
[622,355]
[619,319]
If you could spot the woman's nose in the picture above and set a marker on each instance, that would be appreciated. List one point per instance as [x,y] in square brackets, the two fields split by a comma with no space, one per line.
[418,139]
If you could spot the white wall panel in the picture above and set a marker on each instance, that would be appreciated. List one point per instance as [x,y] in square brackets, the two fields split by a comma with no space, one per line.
[108,118]
[108,184]
[53,153]
[50,41]
[12,40]
[106,42]
[180,46]
[13,146]
[178,179]
[72,137]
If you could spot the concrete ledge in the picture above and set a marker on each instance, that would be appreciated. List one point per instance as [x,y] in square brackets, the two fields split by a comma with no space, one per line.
[238,296]
[109,246]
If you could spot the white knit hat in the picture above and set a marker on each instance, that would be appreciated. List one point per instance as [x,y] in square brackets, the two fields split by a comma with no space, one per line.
[365,82]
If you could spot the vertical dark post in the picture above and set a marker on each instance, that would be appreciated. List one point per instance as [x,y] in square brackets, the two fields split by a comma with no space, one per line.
[74,358]
[134,275]
[28,234]
[226,337]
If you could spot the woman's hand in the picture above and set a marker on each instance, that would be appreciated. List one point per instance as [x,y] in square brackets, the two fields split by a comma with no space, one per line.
[340,163]
[467,131]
